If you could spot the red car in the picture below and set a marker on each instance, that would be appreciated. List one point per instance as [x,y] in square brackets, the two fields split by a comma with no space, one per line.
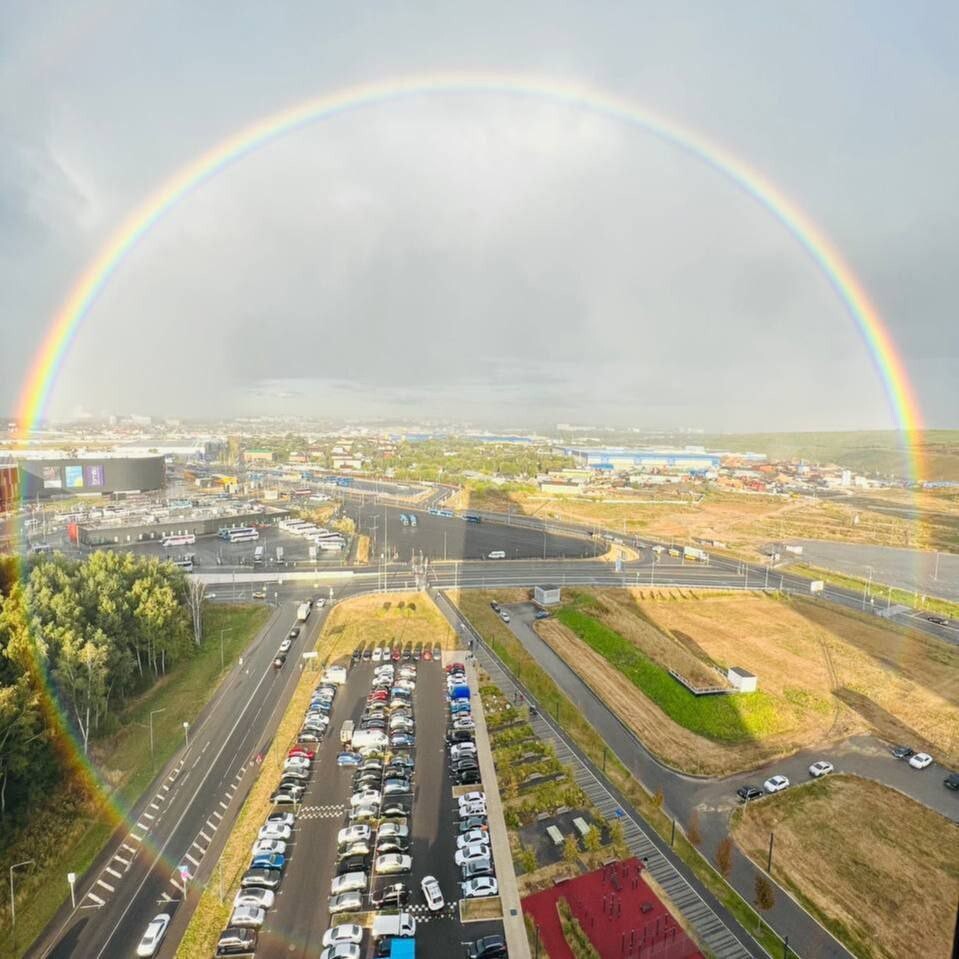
[459,667]
[397,654]
[378,696]
[303,751]
[427,653]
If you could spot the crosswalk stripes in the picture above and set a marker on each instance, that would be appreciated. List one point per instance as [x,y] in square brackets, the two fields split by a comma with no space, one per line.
[713,932]
[321,812]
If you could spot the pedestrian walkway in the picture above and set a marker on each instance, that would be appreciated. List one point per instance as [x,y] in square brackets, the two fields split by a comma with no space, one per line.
[513,925]
[715,933]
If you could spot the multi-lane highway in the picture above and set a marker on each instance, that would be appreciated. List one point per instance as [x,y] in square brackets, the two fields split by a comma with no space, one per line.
[183,819]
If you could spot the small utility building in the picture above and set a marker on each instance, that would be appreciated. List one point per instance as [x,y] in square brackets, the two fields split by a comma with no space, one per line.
[742,680]
[546,595]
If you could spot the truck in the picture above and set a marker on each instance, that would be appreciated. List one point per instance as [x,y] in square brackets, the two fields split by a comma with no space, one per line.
[335,675]
[303,612]
[346,732]
[257,555]
[693,552]
[400,924]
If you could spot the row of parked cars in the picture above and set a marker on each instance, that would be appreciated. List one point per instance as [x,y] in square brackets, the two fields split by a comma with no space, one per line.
[375,842]
[411,652]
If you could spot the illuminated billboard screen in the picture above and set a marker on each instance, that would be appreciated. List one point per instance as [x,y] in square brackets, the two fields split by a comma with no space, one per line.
[74,476]
[93,475]
[51,477]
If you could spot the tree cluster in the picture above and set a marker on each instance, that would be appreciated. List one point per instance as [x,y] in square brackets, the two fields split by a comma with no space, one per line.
[77,640]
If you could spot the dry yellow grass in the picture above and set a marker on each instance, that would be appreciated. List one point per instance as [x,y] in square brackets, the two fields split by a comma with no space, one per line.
[831,674]
[381,620]
[867,859]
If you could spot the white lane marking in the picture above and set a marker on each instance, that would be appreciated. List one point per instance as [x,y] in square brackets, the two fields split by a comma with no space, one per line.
[95,898]
[159,797]
[210,825]
[106,885]
[143,826]
[149,816]
[203,835]
[127,848]
[196,862]
[221,804]
[113,872]
[210,766]
[218,815]
[122,861]
[153,805]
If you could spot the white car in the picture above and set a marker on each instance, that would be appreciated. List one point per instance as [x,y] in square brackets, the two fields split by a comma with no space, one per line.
[393,862]
[154,935]
[471,797]
[504,616]
[342,950]
[345,902]
[464,723]
[393,830]
[368,812]
[353,834]
[349,882]
[463,749]
[275,830]
[920,760]
[476,850]
[368,797]
[262,898]
[297,762]
[266,847]
[473,836]
[347,932]
[251,917]
[473,809]
[377,654]
[479,887]
[285,645]
[281,818]
[821,768]
[432,893]
[775,784]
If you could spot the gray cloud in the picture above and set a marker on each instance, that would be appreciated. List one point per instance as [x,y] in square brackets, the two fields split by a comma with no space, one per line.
[488,254]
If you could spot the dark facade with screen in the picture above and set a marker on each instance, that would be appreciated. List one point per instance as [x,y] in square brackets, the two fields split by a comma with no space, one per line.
[65,477]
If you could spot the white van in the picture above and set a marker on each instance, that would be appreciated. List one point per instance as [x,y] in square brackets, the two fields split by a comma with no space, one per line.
[402,924]
[369,737]
[335,675]
[497,554]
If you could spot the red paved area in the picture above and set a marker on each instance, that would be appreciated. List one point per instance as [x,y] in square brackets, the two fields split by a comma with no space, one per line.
[618,912]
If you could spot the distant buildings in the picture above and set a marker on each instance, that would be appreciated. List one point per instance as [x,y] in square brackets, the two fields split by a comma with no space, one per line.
[624,458]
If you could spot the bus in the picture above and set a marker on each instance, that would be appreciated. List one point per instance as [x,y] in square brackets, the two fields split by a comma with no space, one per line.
[180,539]
[185,564]
[239,534]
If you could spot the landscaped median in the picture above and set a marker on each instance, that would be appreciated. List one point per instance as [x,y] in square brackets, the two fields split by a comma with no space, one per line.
[475,605]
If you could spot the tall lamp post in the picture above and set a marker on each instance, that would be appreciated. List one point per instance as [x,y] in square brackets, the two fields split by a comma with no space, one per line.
[226,629]
[186,733]
[152,714]
[13,905]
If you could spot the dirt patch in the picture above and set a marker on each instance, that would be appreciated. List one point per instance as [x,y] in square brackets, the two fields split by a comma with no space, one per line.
[876,866]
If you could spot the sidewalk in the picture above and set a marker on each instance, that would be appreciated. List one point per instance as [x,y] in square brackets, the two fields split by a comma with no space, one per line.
[513,925]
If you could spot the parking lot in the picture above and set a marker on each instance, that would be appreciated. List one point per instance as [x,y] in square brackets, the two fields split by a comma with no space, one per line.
[295,926]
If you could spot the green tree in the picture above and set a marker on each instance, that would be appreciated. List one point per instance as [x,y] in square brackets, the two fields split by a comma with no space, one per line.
[592,840]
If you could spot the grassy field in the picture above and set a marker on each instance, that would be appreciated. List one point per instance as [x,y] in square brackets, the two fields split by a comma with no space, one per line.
[351,622]
[825,674]
[877,868]
[731,719]
[475,605]
[70,830]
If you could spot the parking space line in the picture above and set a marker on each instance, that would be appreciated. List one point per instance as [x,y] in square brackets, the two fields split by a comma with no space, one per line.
[106,885]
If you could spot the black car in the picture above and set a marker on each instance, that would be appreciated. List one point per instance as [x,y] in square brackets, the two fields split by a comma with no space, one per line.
[748,793]
[476,869]
[394,811]
[903,752]
[367,654]
[938,620]
[473,822]
[494,606]
[460,736]
[294,632]
[951,782]
[407,653]
[279,661]
[489,947]
[355,658]
[469,777]
[261,879]
[352,864]
[395,894]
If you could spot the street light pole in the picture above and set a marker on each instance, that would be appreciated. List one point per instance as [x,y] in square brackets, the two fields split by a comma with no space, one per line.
[186,733]
[152,756]
[13,905]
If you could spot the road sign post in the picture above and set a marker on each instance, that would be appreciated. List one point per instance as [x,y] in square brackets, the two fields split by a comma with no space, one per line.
[72,880]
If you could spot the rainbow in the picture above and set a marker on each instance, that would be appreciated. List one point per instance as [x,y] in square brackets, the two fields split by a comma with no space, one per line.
[889,366]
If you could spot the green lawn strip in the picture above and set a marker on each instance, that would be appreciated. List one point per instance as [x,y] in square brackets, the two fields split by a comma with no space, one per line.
[881,592]
[730,719]
[570,718]
[125,762]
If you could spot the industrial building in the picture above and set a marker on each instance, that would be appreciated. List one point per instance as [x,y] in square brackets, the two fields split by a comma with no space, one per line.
[43,478]
[623,458]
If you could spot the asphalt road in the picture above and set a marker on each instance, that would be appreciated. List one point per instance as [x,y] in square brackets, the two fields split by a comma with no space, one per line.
[184,812]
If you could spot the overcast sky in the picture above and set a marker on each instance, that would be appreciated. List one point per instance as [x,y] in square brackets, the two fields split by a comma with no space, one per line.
[485,256]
